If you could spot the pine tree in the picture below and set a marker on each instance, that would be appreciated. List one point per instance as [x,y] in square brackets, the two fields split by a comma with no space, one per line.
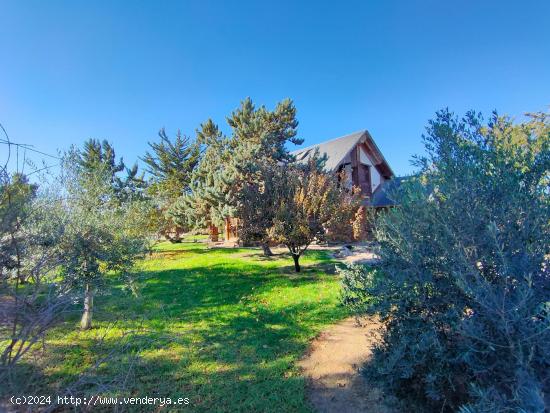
[233,170]
[133,185]
[205,204]
[171,165]
[97,155]
[261,137]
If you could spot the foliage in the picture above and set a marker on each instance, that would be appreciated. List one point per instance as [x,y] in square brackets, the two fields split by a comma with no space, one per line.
[347,224]
[258,203]
[261,141]
[224,327]
[16,194]
[265,132]
[101,155]
[356,280]
[171,164]
[233,178]
[101,234]
[309,200]
[206,204]
[360,223]
[133,186]
[31,302]
[464,258]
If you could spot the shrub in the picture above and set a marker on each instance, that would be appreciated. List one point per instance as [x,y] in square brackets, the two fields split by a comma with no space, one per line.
[347,224]
[466,287]
[309,199]
[355,279]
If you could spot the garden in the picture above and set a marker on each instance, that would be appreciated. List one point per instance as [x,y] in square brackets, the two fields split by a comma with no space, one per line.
[111,287]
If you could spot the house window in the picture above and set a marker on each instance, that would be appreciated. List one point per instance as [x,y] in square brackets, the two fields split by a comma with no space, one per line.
[366,182]
[339,174]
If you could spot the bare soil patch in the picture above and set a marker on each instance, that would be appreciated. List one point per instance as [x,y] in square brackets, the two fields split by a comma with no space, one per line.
[332,368]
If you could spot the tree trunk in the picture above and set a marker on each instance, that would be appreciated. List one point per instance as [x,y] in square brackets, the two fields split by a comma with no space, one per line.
[296,259]
[174,235]
[214,233]
[267,250]
[86,321]
[15,244]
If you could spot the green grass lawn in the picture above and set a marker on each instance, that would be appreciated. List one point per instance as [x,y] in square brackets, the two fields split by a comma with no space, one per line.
[223,327]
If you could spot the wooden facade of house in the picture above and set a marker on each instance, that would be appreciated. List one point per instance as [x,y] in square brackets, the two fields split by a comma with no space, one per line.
[230,232]
[214,233]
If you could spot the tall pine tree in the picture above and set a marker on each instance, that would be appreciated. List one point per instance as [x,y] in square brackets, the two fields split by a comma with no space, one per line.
[205,204]
[170,164]
[97,155]
[233,169]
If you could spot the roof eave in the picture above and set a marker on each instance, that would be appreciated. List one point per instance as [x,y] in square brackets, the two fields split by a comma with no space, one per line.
[364,133]
[384,161]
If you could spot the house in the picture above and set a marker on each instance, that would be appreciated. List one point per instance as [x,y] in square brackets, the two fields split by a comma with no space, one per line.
[364,165]
[358,156]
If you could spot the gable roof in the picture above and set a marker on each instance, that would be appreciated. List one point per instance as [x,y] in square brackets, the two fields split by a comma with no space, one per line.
[338,149]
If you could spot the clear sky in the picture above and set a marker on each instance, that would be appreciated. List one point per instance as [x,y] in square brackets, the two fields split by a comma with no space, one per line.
[120,70]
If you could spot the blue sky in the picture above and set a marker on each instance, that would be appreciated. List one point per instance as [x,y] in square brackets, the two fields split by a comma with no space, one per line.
[120,70]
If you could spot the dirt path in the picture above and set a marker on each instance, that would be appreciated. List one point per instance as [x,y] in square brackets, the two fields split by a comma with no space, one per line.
[332,365]
[333,362]
[332,369]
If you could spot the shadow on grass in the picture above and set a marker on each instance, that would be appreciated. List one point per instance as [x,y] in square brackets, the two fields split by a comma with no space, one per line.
[181,292]
[194,248]
[223,332]
[235,362]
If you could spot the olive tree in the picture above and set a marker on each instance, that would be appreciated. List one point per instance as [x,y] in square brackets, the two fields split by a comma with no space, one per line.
[16,196]
[101,235]
[31,299]
[464,280]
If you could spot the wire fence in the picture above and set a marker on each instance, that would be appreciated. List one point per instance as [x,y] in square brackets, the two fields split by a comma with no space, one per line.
[15,160]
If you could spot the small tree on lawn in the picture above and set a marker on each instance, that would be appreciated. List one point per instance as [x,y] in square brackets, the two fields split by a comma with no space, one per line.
[101,235]
[309,199]
[259,201]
